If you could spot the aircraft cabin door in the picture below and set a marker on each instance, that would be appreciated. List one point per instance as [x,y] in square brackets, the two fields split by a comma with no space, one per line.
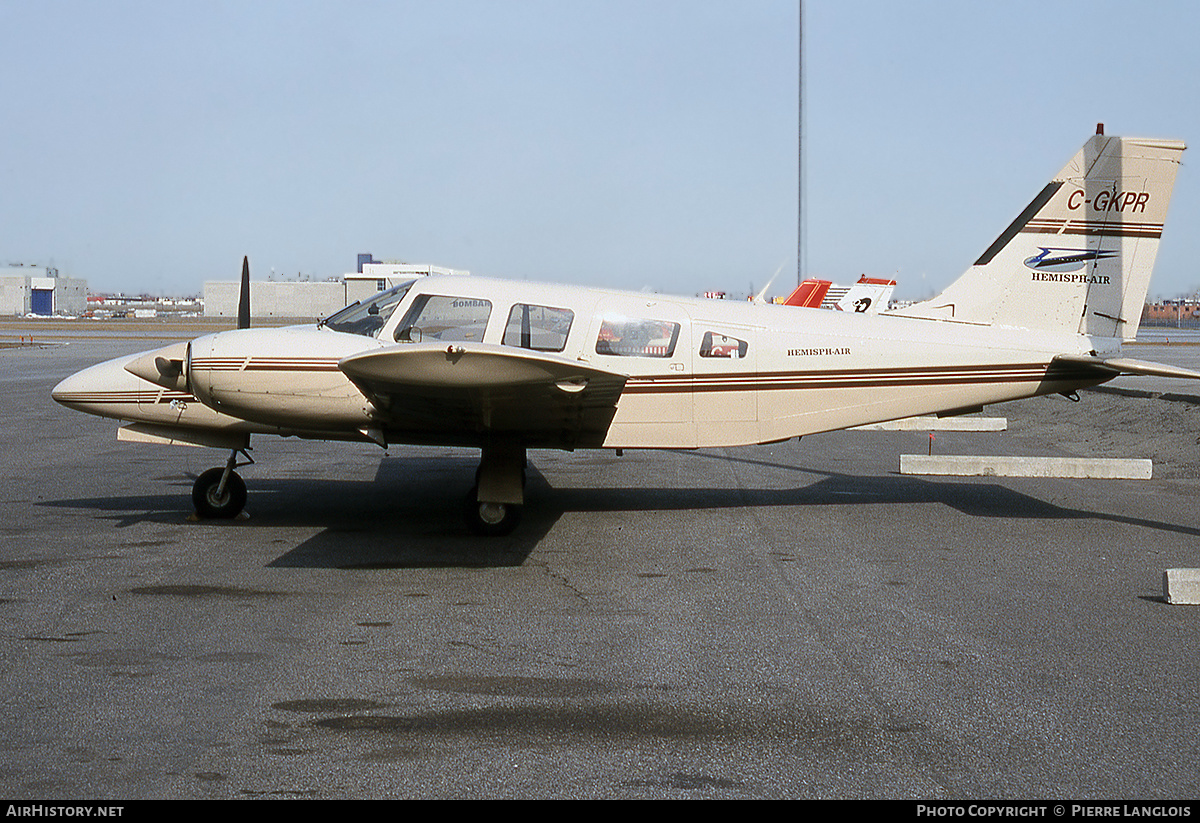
[725,392]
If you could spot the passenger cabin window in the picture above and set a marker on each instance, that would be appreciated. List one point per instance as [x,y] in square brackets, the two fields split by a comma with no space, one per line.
[433,318]
[715,344]
[637,337]
[369,317]
[540,328]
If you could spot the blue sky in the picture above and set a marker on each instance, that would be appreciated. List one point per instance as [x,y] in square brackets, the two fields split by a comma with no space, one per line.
[148,146]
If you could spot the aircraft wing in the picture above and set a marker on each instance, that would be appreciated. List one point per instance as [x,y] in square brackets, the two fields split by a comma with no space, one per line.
[1127,365]
[488,389]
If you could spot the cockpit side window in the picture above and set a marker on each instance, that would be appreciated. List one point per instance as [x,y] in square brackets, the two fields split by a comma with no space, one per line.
[369,317]
[637,337]
[540,328]
[434,318]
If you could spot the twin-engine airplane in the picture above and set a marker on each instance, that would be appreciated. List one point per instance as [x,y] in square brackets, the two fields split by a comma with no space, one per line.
[510,366]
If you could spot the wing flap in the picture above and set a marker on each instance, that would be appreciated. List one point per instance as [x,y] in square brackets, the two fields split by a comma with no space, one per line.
[539,397]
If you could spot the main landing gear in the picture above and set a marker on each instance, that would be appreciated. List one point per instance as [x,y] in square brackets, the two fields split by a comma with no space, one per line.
[220,493]
[493,506]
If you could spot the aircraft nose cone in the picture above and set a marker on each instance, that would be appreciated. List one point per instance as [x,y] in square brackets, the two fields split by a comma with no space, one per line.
[72,389]
[96,389]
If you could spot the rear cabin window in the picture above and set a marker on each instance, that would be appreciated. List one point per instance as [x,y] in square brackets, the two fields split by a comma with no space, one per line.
[541,328]
[637,337]
[433,318]
[715,344]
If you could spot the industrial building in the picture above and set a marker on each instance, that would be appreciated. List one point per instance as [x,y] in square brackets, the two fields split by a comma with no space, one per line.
[305,299]
[1179,313]
[28,289]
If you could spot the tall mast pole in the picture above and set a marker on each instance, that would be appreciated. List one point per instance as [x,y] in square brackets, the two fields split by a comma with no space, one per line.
[802,246]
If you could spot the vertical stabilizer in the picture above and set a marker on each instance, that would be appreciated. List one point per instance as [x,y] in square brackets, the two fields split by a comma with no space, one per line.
[809,294]
[1079,257]
[869,295]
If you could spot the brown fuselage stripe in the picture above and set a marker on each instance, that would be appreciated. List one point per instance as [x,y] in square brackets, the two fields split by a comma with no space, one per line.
[265,364]
[855,378]
[1093,227]
[125,397]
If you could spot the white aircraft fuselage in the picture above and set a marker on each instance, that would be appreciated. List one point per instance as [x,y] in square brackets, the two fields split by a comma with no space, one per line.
[801,371]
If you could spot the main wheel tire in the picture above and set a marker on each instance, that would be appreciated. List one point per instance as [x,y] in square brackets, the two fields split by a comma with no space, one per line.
[490,519]
[224,507]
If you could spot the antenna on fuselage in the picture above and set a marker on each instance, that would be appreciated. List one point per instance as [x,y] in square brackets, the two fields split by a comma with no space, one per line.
[801,207]
[244,298]
[761,296]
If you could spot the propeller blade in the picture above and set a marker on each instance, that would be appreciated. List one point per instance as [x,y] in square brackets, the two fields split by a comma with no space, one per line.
[244,299]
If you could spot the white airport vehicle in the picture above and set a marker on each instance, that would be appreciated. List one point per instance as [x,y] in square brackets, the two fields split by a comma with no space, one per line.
[509,366]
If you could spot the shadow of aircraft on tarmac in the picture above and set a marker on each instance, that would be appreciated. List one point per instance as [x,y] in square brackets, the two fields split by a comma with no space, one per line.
[408,515]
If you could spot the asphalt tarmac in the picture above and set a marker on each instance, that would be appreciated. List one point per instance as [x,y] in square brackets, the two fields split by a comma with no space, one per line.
[794,620]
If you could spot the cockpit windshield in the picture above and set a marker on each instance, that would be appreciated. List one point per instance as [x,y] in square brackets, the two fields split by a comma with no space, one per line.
[367,318]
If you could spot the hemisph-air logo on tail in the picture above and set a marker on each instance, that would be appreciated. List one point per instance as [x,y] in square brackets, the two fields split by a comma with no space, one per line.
[1060,260]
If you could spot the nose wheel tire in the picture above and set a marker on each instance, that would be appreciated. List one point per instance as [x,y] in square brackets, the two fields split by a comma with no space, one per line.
[213,502]
[490,519]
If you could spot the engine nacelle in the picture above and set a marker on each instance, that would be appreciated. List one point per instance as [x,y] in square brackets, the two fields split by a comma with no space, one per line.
[284,377]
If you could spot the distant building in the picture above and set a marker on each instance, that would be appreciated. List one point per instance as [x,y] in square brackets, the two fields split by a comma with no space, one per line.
[374,277]
[275,299]
[40,290]
[309,300]
[1171,313]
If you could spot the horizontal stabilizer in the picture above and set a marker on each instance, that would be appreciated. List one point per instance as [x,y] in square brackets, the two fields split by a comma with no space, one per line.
[1127,365]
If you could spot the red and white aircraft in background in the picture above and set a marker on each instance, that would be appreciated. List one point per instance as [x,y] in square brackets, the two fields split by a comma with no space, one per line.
[870,295]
